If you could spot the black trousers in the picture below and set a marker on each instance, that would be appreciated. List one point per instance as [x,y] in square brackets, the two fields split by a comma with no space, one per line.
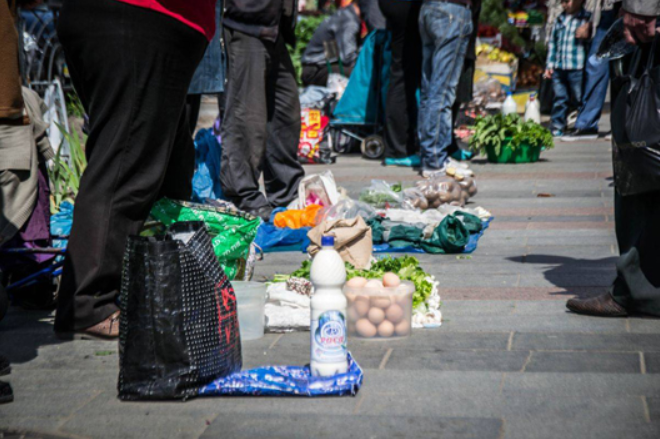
[637,286]
[401,139]
[131,68]
[261,129]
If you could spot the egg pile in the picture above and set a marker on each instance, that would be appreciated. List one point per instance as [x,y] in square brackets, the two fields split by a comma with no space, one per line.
[379,309]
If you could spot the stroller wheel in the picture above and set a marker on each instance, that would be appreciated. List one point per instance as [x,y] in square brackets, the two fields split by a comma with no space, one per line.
[341,143]
[373,147]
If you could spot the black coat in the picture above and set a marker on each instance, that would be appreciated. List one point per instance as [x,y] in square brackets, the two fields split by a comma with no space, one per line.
[264,19]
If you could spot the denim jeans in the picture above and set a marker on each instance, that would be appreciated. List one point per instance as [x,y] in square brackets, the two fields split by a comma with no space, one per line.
[567,86]
[597,78]
[445,29]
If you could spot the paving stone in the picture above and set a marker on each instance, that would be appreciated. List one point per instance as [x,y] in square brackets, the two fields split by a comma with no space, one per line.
[134,425]
[301,426]
[653,404]
[492,361]
[478,308]
[587,342]
[644,325]
[565,322]
[572,428]
[652,361]
[590,386]
[34,402]
[578,362]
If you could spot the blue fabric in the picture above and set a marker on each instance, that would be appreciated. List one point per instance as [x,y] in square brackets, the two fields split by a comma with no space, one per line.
[597,78]
[275,239]
[286,381]
[567,87]
[210,74]
[206,181]
[445,29]
[469,248]
[358,105]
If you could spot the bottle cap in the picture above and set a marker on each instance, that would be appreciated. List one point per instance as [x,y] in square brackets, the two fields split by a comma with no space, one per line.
[328,241]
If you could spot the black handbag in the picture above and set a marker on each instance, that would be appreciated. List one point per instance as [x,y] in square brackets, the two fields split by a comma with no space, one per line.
[635,121]
[178,322]
[545,95]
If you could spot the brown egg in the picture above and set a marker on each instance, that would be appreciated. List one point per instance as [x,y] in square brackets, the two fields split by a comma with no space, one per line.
[385,329]
[364,328]
[402,328]
[350,298]
[394,313]
[376,315]
[391,280]
[380,301]
[352,314]
[356,282]
[361,306]
[374,283]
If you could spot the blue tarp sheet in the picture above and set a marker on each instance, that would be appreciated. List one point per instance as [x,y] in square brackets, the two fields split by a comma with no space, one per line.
[286,381]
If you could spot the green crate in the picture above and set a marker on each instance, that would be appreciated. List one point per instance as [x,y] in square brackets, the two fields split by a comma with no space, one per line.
[525,153]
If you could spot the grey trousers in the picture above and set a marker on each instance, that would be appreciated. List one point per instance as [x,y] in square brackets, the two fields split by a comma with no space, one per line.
[261,129]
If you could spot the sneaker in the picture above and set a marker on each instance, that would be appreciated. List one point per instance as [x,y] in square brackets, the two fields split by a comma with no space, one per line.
[5,367]
[571,118]
[557,134]
[462,155]
[413,161]
[608,135]
[577,135]
[6,394]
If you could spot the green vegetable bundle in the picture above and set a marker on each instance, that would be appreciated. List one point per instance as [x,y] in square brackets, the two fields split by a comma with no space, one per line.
[497,129]
[406,267]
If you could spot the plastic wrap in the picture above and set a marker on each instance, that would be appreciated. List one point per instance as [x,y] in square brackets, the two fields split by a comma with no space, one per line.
[380,195]
[346,209]
[286,381]
[413,199]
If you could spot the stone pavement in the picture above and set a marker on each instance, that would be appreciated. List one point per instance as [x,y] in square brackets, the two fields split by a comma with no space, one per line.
[508,361]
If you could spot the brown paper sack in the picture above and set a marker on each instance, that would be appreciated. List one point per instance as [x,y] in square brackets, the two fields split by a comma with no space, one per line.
[353,240]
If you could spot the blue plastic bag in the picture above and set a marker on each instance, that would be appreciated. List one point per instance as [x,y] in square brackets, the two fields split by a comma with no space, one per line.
[286,381]
[275,239]
[208,153]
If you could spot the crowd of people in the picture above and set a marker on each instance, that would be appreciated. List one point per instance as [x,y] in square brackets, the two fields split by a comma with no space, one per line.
[133,64]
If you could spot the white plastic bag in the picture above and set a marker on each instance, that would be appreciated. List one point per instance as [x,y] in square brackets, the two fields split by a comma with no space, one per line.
[318,189]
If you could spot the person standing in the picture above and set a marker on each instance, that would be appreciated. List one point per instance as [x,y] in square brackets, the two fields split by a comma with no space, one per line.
[401,110]
[596,72]
[445,28]
[566,59]
[342,27]
[261,130]
[636,210]
[131,62]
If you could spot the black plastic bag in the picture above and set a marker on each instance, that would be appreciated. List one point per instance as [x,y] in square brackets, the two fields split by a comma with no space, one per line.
[635,123]
[546,95]
[178,324]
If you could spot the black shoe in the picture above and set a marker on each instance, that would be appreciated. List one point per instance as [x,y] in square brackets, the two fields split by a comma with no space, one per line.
[600,306]
[6,394]
[577,135]
[5,368]
[263,212]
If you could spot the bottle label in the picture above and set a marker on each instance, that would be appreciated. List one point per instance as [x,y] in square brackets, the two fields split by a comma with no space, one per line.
[329,338]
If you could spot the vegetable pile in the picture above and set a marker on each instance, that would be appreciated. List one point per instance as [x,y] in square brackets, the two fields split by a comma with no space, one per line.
[406,267]
[494,130]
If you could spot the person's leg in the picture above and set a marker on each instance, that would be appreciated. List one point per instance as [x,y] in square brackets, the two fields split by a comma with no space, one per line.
[597,79]
[246,116]
[313,74]
[405,74]
[446,27]
[193,105]
[637,287]
[560,103]
[282,171]
[132,66]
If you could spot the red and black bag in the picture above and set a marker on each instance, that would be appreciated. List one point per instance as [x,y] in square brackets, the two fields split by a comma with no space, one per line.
[178,324]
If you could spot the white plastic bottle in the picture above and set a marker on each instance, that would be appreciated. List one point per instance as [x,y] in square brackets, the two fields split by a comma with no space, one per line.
[328,309]
[533,109]
[509,106]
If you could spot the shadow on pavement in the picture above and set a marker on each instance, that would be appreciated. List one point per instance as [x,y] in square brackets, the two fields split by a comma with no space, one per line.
[23,332]
[581,278]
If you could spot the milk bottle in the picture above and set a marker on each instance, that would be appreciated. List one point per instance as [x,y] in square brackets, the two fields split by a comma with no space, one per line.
[533,109]
[328,310]
[509,106]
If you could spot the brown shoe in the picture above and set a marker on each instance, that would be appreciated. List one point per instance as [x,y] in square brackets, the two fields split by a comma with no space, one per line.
[108,329]
[601,306]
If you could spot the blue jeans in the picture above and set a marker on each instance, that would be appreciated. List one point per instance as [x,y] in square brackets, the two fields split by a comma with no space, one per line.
[567,86]
[597,79]
[445,29]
